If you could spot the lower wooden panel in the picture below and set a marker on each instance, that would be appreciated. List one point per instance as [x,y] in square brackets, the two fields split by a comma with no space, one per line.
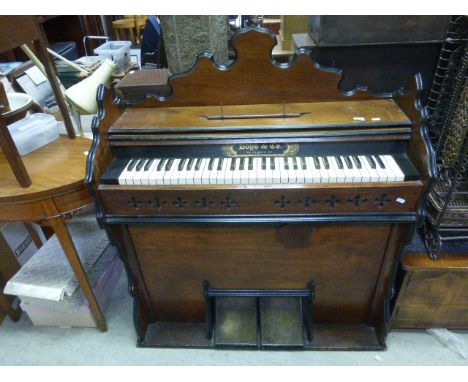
[343,260]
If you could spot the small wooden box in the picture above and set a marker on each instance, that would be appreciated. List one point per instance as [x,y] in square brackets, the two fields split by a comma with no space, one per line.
[434,293]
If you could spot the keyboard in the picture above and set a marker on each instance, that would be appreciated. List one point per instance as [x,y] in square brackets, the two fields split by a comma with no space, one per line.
[261,170]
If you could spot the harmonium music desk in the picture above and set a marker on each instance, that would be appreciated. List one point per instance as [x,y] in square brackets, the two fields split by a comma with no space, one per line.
[257,206]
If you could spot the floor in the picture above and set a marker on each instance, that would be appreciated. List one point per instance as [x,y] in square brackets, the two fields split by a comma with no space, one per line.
[24,344]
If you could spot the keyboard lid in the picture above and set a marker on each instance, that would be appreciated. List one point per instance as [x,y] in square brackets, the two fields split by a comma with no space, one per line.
[382,113]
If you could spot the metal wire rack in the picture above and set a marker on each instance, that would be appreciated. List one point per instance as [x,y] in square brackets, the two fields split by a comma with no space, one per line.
[447,203]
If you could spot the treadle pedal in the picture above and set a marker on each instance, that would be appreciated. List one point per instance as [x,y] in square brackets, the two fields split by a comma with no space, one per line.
[259,318]
[281,322]
[235,322]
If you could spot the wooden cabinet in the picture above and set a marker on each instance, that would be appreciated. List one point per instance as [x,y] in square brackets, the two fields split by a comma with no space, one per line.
[434,293]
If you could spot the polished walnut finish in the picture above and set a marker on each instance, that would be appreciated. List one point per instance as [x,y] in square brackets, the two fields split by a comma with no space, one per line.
[57,192]
[433,293]
[341,238]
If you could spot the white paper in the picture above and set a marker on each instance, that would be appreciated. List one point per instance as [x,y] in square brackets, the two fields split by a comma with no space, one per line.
[36,75]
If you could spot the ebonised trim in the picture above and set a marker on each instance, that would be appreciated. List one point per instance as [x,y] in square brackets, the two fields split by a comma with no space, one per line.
[406,217]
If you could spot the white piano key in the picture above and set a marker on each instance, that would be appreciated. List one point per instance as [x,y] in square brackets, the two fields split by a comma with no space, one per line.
[373,174]
[380,171]
[221,174]
[123,175]
[258,166]
[236,176]
[365,175]
[139,173]
[388,169]
[132,173]
[324,177]
[399,175]
[275,170]
[197,179]
[168,173]
[300,173]
[357,176]
[340,174]
[205,178]
[144,180]
[214,171]
[269,171]
[227,178]
[188,174]
[253,171]
[292,178]
[244,172]
[284,176]
[332,174]
[313,173]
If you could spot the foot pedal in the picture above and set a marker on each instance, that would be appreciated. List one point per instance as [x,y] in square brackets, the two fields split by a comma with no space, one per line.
[259,318]
[281,319]
[236,321]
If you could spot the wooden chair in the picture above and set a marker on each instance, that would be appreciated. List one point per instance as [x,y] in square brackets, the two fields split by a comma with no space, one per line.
[131,24]
[16,31]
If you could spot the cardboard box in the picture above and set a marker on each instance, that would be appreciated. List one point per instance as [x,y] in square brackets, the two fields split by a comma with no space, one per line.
[48,289]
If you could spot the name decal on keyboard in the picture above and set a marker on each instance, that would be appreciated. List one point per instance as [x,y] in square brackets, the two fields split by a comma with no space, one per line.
[260,149]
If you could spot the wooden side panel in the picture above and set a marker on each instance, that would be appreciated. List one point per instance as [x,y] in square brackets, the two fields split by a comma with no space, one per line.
[343,261]
[419,149]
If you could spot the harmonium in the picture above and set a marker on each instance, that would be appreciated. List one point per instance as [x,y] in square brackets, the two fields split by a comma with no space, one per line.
[256,205]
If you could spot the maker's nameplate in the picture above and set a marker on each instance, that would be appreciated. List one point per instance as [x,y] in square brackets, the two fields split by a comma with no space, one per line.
[260,149]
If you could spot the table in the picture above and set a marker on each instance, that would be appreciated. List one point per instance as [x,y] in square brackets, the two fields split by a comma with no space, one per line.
[57,171]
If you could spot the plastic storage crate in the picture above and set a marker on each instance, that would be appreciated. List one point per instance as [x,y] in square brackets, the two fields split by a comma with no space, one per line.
[117,51]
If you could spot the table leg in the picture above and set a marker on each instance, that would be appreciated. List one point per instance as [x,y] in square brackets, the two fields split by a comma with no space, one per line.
[6,306]
[57,223]
[68,246]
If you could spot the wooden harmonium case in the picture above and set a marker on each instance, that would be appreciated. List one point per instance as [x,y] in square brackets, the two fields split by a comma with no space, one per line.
[262,226]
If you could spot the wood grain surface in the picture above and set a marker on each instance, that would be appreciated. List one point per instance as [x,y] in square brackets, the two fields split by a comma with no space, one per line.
[55,168]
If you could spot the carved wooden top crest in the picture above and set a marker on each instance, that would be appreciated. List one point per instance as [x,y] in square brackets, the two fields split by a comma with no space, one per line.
[253,77]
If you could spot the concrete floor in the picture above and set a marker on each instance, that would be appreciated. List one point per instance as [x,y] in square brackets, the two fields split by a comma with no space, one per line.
[21,343]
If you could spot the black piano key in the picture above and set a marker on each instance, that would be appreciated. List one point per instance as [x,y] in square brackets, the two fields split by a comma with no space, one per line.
[211,164]
[339,162]
[169,164]
[379,161]
[326,163]
[161,164]
[357,161]
[272,164]
[348,162]
[286,164]
[220,164]
[371,162]
[264,163]
[190,164]
[242,164]
[250,161]
[198,163]
[303,163]
[233,164]
[317,163]
[141,164]
[296,167]
[182,164]
[148,164]
[132,164]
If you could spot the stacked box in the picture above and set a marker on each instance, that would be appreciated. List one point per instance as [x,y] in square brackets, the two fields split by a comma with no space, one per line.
[47,287]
